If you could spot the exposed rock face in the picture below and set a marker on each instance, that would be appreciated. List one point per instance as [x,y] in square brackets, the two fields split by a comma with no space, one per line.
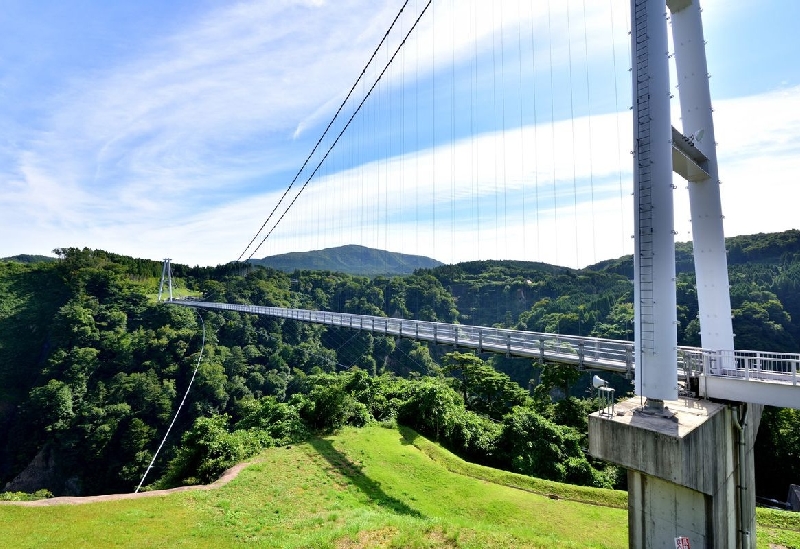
[43,472]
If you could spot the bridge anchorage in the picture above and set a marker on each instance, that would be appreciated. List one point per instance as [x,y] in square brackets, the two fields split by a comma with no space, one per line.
[689,460]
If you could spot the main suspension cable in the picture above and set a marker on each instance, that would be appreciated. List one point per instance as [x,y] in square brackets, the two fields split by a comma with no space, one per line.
[319,141]
[344,129]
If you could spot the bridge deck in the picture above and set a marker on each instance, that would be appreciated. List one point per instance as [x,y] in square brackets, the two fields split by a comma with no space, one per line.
[747,376]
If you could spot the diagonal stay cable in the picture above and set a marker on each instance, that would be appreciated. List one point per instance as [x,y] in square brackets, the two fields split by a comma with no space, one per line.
[319,141]
[178,411]
[358,109]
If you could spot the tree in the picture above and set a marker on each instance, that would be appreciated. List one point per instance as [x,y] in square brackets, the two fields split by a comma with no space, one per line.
[484,389]
[431,408]
[533,445]
[51,405]
[777,452]
[556,376]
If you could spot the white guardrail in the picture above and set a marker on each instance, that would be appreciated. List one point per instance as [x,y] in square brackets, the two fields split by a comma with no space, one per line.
[588,352]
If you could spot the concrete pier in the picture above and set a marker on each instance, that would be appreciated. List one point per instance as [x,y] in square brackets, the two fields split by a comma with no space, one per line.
[690,470]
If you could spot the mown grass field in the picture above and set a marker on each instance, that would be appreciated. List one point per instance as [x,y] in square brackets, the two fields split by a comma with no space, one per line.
[372,487]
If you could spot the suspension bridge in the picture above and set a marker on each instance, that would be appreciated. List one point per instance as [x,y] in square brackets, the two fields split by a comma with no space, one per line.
[760,377]
[689,459]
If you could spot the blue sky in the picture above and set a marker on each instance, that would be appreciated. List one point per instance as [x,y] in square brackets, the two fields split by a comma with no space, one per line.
[171,129]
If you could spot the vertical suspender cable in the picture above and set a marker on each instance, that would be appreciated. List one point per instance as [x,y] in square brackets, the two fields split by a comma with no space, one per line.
[503,116]
[386,161]
[553,129]
[535,137]
[589,115]
[319,141]
[453,135]
[402,156]
[521,132]
[473,99]
[572,122]
[433,130]
[416,144]
[619,133]
[494,139]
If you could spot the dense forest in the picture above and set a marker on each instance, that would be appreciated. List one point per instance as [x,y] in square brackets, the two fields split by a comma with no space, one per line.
[92,368]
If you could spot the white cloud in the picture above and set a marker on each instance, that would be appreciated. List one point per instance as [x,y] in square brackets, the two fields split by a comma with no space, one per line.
[178,151]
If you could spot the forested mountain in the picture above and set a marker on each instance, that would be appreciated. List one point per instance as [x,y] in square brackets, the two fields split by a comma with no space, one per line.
[28,258]
[92,368]
[351,259]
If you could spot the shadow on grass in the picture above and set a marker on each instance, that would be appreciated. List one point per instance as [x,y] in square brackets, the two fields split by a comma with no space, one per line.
[409,435]
[342,464]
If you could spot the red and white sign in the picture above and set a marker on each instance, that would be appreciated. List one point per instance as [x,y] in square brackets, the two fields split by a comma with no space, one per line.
[682,542]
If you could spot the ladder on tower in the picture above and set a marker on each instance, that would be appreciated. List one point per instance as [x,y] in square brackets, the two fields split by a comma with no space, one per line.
[644,195]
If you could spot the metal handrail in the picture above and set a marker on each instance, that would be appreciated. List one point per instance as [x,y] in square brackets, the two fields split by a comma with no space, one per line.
[590,352]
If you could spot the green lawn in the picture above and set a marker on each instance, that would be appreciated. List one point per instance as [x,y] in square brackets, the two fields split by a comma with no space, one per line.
[371,487]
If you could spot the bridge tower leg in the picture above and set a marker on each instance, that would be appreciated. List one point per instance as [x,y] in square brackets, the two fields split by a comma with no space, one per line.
[690,462]
[166,274]
[710,259]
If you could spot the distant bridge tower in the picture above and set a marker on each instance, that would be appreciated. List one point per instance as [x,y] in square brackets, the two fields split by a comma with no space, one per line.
[166,274]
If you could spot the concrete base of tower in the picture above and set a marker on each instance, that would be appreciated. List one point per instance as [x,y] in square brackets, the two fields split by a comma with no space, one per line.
[690,470]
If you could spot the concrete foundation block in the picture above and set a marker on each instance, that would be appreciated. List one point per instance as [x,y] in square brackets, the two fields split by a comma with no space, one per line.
[683,471]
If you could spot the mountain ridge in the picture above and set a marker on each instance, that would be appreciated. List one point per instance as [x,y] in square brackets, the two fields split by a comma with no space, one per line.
[350,259]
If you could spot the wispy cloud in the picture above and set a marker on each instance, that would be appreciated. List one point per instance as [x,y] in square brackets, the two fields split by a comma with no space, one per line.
[182,147]
[198,117]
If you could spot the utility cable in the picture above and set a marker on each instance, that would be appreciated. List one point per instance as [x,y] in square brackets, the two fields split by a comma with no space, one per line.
[178,411]
[319,141]
[347,125]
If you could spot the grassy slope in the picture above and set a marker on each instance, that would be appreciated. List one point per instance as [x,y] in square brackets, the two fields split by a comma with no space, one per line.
[361,488]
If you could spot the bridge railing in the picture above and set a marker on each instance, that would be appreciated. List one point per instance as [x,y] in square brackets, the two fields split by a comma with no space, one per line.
[742,364]
[758,365]
[584,351]
[590,352]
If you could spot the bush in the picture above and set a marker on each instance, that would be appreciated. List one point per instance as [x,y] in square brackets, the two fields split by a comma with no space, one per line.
[474,437]
[24,496]
[533,445]
[208,449]
[279,420]
[431,409]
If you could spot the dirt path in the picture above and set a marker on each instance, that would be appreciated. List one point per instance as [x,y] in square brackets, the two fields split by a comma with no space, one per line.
[226,477]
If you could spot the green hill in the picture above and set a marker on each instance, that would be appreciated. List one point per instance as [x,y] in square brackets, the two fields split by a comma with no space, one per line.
[351,259]
[28,258]
[762,248]
[371,487]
